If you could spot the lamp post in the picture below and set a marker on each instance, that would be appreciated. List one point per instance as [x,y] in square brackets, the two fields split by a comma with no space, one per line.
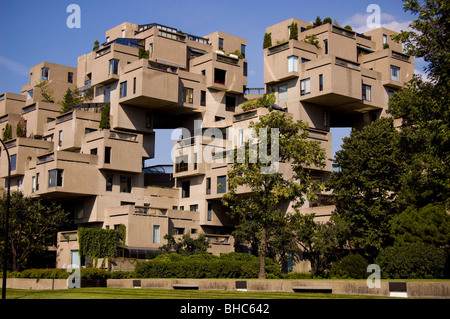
[5,252]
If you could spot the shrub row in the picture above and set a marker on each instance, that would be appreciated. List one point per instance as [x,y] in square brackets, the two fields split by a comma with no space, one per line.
[232,265]
[56,273]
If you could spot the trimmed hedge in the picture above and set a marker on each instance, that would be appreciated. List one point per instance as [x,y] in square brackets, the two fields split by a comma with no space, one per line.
[56,273]
[233,265]
[351,266]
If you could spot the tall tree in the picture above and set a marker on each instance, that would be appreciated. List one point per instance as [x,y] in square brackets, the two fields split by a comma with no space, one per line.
[32,225]
[367,183]
[46,92]
[269,189]
[424,106]
[71,99]
[21,130]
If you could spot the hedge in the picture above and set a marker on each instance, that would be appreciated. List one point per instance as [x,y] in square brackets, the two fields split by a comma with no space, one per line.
[56,273]
[351,266]
[233,265]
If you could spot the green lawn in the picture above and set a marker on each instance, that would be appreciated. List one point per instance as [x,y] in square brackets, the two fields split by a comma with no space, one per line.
[130,293]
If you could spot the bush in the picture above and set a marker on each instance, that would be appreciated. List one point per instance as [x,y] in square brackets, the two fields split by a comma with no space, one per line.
[123,274]
[412,261]
[233,265]
[40,274]
[298,275]
[94,273]
[351,266]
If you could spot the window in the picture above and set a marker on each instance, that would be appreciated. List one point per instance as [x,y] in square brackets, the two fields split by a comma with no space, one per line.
[219,76]
[293,63]
[193,208]
[29,94]
[282,93]
[60,138]
[13,162]
[33,184]
[241,137]
[366,90]
[243,50]
[185,189]
[403,46]
[395,73]
[320,82]
[384,38]
[305,86]
[125,184]
[31,77]
[156,234]
[178,231]
[123,33]
[325,46]
[209,216]
[107,39]
[195,161]
[109,182]
[325,118]
[37,181]
[181,207]
[134,85]
[123,89]
[230,103]
[203,98]
[113,66]
[125,203]
[304,60]
[44,73]
[181,164]
[221,184]
[70,77]
[175,207]
[55,177]
[188,95]
[208,185]
[93,151]
[390,93]
[220,44]
[107,155]
[245,67]
[150,51]
[19,184]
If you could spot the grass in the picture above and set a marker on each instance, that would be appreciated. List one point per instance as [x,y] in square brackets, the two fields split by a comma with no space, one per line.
[130,293]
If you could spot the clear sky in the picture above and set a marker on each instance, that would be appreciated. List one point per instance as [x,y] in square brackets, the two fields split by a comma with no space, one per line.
[35,31]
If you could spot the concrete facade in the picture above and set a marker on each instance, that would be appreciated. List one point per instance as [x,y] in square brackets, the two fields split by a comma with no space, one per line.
[190,82]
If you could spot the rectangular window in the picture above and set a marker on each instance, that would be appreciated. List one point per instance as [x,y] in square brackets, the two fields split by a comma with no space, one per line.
[44,73]
[186,189]
[33,184]
[219,76]
[241,137]
[181,164]
[29,94]
[13,162]
[150,49]
[304,60]
[395,73]
[305,86]
[209,216]
[384,38]
[107,155]
[93,151]
[31,77]
[123,33]
[245,67]
[109,182]
[134,85]
[282,93]
[230,103]
[208,185]
[243,50]
[366,92]
[155,234]
[195,161]
[193,208]
[203,98]
[70,77]
[221,184]
[37,181]
[320,82]
[55,178]
[125,184]
[60,138]
[325,46]
[220,44]
[113,66]
[293,63]
[123,89]
[188,95]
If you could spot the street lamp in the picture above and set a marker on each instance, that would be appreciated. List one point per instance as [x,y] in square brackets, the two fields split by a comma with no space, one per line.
[5,252]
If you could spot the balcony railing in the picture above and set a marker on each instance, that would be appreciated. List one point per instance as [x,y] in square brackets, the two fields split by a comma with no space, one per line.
[29,108]
[46,158]
[347,64]
[162,67]
[249,91]
[278,48]
[400,56]
[227,59]
[123,136]
[344,32]
[64,118]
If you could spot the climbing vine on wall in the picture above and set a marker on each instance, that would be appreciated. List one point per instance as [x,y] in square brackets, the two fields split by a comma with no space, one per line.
[99,242]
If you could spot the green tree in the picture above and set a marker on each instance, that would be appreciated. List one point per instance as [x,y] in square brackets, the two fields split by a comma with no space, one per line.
[317,22]
[104,120]
[267,41]
[32,226]
[294,31]
[143,54]
[186,245]
[367,183]
[71,99]
[269,188]
[21,130]
[96,45]
[429,225]
[312,39]
[7,133]
[327,20]
[46,92]
[424,107]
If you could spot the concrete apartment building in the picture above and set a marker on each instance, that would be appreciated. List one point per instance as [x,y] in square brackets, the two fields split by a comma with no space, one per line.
[190,82]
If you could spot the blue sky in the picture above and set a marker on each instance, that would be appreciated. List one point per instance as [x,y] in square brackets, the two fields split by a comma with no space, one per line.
[36,31]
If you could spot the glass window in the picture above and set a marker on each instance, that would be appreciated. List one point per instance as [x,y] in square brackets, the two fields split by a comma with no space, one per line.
[243,50]
[29,94]
[113,66]
[220,44]
[125,184]
[209,217]
[282,93]
[230,103]
[293,63]
[109,183]
[395,73]
[193,208]
[70,77]
[55,177]
[305,86]
[186,189]
[325,46]
[203,98]
[320,82]
[13,162]
[123,89]
[44,73]
[366,92]
[107,155]
[37,181]
[123,33]
[221,184]
[384,38]
[33,184]
[219,76]
[188,95]
[60,138]
[304,60]
[156,234]
[208,185]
